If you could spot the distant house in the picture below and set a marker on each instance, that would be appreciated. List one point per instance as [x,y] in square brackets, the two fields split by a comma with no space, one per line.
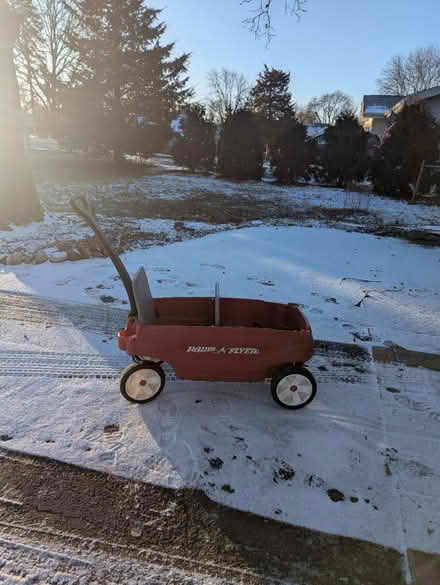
[373,112]
[377,110]
[316,133]
[430,98]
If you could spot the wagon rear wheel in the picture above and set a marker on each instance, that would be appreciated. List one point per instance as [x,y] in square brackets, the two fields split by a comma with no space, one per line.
[293,387]
[142,383]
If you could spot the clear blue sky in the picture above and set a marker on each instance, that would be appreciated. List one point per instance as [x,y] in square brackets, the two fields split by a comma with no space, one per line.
[337,44]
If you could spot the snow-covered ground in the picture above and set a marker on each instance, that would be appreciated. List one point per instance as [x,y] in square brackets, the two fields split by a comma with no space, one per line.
[328,272]
[297,205]
[371,433]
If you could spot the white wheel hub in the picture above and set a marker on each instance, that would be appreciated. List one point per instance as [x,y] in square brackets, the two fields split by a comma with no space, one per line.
[143,384]
[294,389]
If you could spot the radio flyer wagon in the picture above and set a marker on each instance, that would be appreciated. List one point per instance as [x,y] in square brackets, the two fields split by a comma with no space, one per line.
[209,339]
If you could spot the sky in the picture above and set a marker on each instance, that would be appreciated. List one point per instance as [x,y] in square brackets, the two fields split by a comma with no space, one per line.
[336,44]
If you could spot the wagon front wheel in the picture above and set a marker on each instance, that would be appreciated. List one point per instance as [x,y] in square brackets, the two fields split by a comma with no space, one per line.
[142,383]
[293,388]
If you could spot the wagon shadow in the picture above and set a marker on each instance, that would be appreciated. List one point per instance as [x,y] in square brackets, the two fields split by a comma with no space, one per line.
[195,422]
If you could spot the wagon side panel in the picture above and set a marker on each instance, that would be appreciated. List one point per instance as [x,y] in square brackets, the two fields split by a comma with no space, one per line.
[222,353]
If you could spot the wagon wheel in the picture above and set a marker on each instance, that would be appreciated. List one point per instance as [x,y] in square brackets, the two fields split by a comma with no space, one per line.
[142,383]
[293,388]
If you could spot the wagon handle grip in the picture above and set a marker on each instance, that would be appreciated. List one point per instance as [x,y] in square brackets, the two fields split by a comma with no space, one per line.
[84,209]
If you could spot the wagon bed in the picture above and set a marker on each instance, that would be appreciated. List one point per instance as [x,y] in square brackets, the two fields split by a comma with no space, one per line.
[251,339]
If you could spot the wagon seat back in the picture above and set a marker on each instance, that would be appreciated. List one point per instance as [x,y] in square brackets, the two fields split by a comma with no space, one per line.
[146,313]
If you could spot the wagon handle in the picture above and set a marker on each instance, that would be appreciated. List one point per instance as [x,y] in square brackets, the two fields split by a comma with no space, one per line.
[84,209]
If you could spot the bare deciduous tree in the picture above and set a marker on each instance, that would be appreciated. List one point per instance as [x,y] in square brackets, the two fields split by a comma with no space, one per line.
[58,59]
[326,108]
[27,50]
[304,114]
[407,75]
[260,23]
[229,93]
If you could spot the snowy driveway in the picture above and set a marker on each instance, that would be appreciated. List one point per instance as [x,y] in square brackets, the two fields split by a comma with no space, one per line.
[361,461]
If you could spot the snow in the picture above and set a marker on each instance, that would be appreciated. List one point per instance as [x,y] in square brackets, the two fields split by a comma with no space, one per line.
[25,563]
[59,225]
[345,440]
[175,186]
[286,264]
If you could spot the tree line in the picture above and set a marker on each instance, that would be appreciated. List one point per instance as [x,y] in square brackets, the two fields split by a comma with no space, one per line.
[99,75]
[263,123]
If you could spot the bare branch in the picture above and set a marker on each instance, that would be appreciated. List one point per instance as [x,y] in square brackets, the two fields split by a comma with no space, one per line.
[58,60]
[229,93]
[404,76]
[326,108]
[261,22]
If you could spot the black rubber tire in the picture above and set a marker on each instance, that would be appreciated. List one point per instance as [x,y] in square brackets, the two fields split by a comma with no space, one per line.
[128,372]
[286,371]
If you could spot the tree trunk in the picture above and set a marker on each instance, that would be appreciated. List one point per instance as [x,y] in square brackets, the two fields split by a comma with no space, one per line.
[19,201]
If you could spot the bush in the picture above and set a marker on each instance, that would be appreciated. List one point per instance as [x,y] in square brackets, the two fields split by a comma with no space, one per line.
[241,148]
[194,146]
[345,157]
[413,137]
[292,156]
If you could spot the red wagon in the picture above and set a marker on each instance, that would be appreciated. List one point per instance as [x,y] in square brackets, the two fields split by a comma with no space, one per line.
[211,339]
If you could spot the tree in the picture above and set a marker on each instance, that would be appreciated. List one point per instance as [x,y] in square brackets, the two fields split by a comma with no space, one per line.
[27,50]
[413,137]
[241,148]
[130,72]
[404,76]
[194,146]
[57,60]
[270,97]
[229,92]
[346,153]
[19,202]
[326,108]
[305,115]
[260,23]
[45,61]
[292,155]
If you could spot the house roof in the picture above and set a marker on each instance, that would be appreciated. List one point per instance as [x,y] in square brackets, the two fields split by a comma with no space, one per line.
[315,130]
[414,98]
[376,106]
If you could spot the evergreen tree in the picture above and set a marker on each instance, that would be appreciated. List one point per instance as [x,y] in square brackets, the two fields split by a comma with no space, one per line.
[292,155]
[270,97]
[346,154]
[124,62]
[241,148]
[19,201]
[413,137]
[194,146]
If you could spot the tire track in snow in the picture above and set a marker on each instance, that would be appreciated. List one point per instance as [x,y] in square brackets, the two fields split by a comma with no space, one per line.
[15,306]
[34,364]
[25,561]
[61,365]
[30,308]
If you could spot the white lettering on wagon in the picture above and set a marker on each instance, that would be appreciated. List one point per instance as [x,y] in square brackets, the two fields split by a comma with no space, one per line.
[223,350]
